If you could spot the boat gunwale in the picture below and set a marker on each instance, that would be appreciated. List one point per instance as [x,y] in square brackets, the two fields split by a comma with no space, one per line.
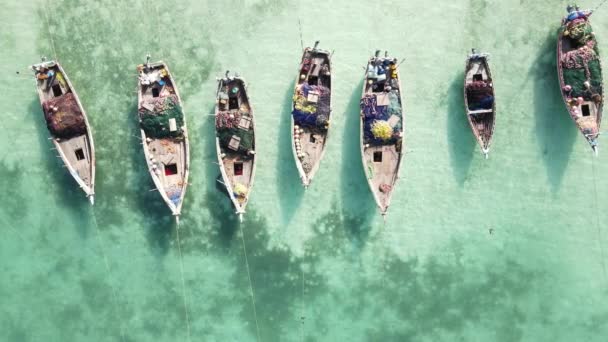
[562,84]
[305,178]
[397,173]
[240,209]
[485,147]
[88,189]
[176,210]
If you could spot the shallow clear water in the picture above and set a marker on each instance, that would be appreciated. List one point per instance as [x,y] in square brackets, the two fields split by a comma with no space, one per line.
[323,265]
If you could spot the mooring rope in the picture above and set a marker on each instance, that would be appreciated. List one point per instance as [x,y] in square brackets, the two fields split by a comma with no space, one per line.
[302,317]
[255,314]
[48,27]
[597,217]
[158,26]
[598,6]
[181,268]
[109,272]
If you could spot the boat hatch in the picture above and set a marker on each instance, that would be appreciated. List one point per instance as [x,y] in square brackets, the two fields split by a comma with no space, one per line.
[378,157]
[57,90]
[170,169]
[238,169]
[478,77]
[79,154]
[155,92]
[313,139]
[586,110]
[233,103]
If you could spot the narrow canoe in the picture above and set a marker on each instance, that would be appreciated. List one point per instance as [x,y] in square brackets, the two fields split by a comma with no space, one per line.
[580,74]
[381,128]
[163,133]
[235,140]
[311,110]
[67,123]
[479,103]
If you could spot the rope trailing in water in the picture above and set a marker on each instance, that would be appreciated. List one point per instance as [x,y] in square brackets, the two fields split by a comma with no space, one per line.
[255,314]
[181,269]
[158,26]
[109,272]
[597,217]
[48,27]
[302,317]
[598,6]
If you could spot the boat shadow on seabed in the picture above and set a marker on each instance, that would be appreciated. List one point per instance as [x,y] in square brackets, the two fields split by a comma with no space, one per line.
[554,129]
[461,140]
[358,205]
[157,219]
[290,191]
[69,194]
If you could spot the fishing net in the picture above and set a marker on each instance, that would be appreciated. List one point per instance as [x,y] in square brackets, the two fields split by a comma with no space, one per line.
[576,78]
[382,130]
[240,190]
[227,119]
[579,31]
[156,122]
[479,95]
[312,106]
[382,124]
[246,136]
[63,116]
[174,193]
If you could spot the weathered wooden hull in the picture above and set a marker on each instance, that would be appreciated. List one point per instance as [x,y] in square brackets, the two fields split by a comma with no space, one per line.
[159,152]
[385,172]
[228,160]
[482,122]
[586,115]
[308,145]
[82,170]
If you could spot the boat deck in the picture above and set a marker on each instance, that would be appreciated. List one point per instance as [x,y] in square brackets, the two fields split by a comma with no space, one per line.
[382,163]
[77,153]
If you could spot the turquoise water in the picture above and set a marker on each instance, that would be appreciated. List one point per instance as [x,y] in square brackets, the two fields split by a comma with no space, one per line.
[321,264]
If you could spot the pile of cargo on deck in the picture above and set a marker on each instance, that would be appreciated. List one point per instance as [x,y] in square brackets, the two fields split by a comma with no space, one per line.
[162,117]
[582,65]
[479,95]
[311,106]
[63,116]
[382,118]
[235,130]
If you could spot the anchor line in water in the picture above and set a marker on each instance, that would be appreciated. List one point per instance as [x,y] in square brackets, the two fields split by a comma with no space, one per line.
[181,269]
[109,273]
[255,314]
[302,317]
[598,6]
[48,27]
[597,220]
[158,26]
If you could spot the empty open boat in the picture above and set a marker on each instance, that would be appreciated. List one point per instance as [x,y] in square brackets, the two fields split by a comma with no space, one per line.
[67,122]
[479,102]
[311,110]
[381,128]
[235,140]
[163,133]
[580,73]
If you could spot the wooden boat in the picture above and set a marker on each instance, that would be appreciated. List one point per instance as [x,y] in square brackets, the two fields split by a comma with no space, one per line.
[67,123]
[479,101]
[381,129]
[580,74]
[311,110]
[163,133]
[235,140]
